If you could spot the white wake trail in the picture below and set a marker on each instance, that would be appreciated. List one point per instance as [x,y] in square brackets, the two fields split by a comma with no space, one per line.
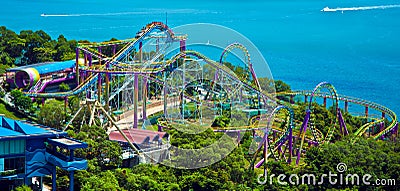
[327,9]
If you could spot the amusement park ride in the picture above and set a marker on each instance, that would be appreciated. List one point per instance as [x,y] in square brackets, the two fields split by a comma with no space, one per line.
[113,76]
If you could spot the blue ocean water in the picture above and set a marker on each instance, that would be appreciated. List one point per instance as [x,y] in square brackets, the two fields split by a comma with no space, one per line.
[357,51]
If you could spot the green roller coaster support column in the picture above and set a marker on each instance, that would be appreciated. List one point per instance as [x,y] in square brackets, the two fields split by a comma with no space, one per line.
[366,111]
[324,101]
[305,98]
[346,106]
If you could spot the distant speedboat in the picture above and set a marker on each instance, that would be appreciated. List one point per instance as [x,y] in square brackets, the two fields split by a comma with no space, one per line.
[327,9]
[43,15]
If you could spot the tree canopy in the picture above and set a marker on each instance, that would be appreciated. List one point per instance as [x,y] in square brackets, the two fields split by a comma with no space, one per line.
[31,47]
[52,114]
[21,101]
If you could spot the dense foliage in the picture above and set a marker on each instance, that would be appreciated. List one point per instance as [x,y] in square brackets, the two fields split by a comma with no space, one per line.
[21,101]
[52,114]
[378,158]
[31,47]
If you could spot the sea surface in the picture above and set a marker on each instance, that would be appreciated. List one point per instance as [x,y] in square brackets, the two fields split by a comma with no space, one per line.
[358,51]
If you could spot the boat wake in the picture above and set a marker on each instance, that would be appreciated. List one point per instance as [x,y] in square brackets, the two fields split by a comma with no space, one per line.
[327,9]
[92,14]
[126,13]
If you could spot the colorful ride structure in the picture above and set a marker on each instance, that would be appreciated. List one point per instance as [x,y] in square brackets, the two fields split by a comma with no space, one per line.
[154,72]
[38,77]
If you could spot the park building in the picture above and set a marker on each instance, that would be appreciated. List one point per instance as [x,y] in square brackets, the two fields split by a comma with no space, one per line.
[152,145]
[29,151]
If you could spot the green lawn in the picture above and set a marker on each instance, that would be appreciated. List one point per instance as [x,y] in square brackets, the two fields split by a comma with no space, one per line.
[9,114]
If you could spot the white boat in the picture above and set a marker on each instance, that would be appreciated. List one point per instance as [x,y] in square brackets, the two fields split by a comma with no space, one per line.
[327,9]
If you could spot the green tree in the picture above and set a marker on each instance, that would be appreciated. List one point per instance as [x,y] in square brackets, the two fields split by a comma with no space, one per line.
[23,188]
[73,104]
[105,181]
[65,50]
[52,114]
[11,46]
[281,86]
[266,84]
[44,54]
[221,121]
[63,87]
[38,47]
[377,158]
[21,101]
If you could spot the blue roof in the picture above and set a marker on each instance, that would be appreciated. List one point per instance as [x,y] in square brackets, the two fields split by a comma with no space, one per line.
[46,67]
[29,129]
[5,132]
[7,123]
[10,127]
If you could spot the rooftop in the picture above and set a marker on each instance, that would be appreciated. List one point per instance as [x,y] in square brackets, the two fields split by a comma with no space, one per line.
[67,143]
[10,128]
[46,67]
[138,136]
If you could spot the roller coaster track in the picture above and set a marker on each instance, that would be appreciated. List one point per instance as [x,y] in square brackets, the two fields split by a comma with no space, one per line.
[241,47]
[222,68]
[91,80]
[144,70]
[360,131]
[273,146]
[227,71]
[83,86]
[130,44]
[131,79]
[358,101]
